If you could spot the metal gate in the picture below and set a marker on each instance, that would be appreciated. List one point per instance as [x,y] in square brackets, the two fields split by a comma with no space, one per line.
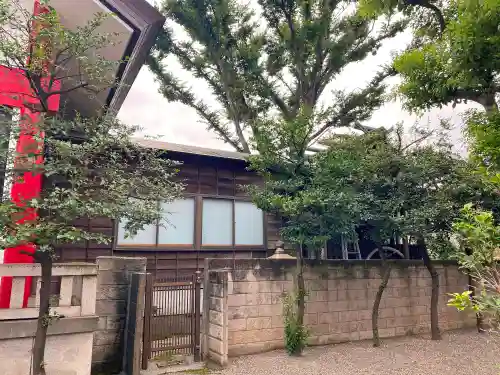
[172,318]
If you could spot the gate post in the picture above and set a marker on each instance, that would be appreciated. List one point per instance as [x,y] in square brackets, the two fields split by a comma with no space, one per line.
[146,339]
[133,327]
[197,317]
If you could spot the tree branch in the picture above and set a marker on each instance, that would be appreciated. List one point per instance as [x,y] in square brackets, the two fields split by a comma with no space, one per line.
[437,12]
[65,91]
[357,106]
[418,140]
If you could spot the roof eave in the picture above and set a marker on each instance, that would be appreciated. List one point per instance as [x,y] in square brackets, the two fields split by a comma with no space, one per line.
[147,22]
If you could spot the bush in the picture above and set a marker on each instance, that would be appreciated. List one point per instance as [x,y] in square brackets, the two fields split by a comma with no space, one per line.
[296,334]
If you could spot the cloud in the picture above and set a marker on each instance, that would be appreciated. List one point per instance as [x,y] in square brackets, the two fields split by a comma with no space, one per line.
[175,122]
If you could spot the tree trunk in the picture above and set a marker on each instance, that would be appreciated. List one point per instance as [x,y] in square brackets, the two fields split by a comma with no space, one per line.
[479,316]
[378,297]
[43,322]
[406,247]
[489,103]
[301,305]
[435,333]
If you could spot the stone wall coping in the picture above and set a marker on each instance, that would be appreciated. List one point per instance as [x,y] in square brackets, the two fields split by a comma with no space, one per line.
[113,257]
[220,264]
[27,328]
[58,269]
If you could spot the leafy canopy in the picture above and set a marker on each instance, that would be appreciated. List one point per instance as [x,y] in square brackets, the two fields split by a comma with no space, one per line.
[478,253]
[405,189]
[274,59]
[462,65]
[71,57]
[374,180]
[93,177]
[90,166]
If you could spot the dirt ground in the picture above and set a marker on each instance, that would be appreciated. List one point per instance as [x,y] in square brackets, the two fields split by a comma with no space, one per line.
[459,353]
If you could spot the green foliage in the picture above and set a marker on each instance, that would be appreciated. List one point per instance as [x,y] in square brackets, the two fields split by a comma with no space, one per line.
[296,335]
[91,166]
[70,56]
[373,179]
[462,301]
[483,135]
[479,253]
[90,178]
[395,188]
[478,232]
[360,169]
[309,216]
[274,61]
[440,245]
[462,65]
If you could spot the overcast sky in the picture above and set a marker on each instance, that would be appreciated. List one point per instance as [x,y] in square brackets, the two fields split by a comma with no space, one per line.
[178,123]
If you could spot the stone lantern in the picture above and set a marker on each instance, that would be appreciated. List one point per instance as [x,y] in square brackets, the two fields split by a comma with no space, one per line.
[280,253]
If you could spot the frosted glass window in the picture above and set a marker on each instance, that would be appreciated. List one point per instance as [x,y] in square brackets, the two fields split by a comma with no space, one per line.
[147,236]
[217,222]
[178,227]
[249,225]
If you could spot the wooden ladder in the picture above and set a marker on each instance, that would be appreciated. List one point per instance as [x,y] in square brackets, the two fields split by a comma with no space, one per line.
[347,252]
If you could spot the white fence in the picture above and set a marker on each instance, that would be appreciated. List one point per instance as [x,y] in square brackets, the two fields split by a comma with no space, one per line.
[77,297]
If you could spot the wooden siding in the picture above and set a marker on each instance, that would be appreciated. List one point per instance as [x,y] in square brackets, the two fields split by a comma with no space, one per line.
[203,176]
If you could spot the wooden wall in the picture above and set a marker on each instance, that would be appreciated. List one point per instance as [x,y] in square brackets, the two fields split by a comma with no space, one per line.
[203,176]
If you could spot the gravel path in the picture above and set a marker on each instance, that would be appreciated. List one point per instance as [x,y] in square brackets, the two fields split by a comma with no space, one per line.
[459,353]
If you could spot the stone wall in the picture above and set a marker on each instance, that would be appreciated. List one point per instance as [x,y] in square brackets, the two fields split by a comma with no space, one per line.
[68,350]
[113,281]
[68,354]
[69,339]
[215,324]
[339,301]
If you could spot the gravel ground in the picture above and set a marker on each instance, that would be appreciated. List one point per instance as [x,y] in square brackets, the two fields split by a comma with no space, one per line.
[459,353]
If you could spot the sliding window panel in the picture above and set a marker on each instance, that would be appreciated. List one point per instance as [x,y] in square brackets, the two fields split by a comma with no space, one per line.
[217,222]
[178,223]
[249,224]
[145,237]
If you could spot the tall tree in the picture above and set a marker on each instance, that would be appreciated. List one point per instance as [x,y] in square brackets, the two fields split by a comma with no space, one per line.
[366,169]
[275,58]
[309,217]
[90,167]
[436,185]
[460,66]
[408,189]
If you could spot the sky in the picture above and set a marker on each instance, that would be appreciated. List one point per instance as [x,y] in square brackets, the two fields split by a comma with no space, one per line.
[178,123]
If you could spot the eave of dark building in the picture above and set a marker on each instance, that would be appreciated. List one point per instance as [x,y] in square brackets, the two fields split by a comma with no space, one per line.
[146,22]
[194,154]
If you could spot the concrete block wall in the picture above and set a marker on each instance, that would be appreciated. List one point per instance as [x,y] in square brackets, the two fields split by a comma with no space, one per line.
[113,279]
[339,301]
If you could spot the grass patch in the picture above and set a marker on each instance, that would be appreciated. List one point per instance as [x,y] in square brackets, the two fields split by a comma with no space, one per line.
[200,371]
[169,358]
[165,356]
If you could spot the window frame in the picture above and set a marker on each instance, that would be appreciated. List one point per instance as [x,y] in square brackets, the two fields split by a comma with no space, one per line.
[233,225]
[197,230]
[156,246]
